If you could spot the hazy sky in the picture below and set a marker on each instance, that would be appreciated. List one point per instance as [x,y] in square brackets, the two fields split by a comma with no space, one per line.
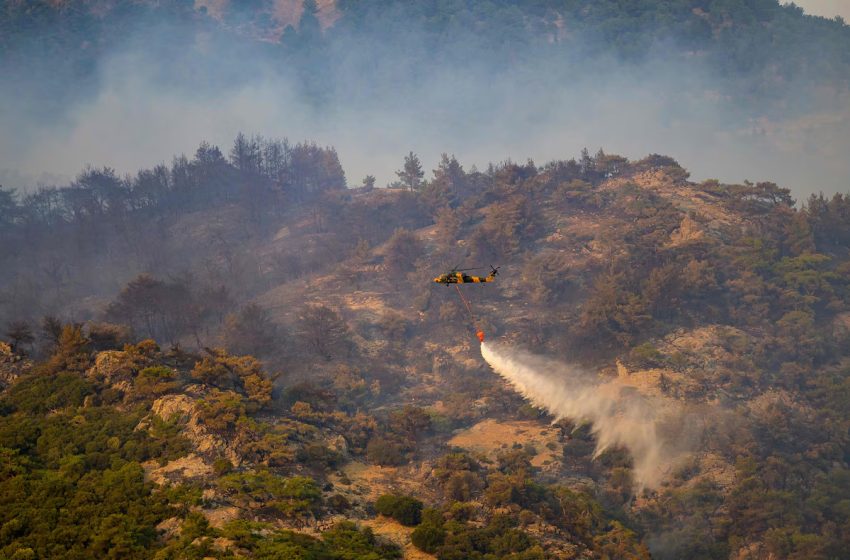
[139,115]
[826,8]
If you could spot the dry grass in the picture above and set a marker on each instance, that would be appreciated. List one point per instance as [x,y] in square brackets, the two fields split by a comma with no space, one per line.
[490,437]
[370,481]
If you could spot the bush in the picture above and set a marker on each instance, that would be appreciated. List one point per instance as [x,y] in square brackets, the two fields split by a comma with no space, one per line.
[155,381]
[221,411]
[324,332]
[339,503]
[646,355]
[402,251]
[221,466]
[428,538]
[318,456]
[385,452]
[38,394]
[107,336]
[293,497]
[404,509]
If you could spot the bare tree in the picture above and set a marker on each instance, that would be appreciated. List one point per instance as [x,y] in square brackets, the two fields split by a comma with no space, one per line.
[19,333]
[251,331]
[323,331]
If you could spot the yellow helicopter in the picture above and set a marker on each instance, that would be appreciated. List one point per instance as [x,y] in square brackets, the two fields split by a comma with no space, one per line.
[457,276]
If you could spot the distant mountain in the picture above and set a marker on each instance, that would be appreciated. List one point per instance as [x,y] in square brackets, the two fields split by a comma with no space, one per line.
[54,50]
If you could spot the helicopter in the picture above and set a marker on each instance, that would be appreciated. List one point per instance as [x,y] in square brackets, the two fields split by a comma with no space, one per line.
[457,276]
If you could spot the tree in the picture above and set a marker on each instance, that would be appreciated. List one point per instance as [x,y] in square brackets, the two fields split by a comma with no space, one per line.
[403,250]
[448,183]
[19,333]
[394,325]
[404,509]
[323,331]
[154,308]
[411,421]
[448,227]
[72,352]
[243,373]
[155,381]
[241,156]
[108,336]
[411,174]
[221,411]
[51,330]
[212,170]
[251,331]
[100,192]
[428,537]
[502,233]
[611,312]
[385,452]
[314,170]
[8,208]
[293,497]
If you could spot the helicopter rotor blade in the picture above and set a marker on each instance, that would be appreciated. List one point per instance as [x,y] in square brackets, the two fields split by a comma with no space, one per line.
[465,269]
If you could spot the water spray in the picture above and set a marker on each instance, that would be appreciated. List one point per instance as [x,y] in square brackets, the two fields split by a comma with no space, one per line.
[618,418]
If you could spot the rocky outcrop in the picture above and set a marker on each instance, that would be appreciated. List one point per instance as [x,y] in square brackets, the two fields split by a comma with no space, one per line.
[189,467]
[687,232]
[118,369]
[174,408]
[169,528]
[219,517]
[113,366]
[182,409]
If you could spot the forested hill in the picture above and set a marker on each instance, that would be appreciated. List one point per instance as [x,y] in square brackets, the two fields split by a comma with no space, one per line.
[754,47]
[240,352]
[230,355]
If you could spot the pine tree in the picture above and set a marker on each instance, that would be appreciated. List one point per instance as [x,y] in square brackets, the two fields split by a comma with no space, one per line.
[411,174]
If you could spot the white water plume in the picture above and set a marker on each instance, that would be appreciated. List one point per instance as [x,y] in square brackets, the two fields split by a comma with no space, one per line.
[619,417]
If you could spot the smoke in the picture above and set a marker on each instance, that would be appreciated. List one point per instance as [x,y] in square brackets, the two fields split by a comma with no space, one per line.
[161,92]
[619,417]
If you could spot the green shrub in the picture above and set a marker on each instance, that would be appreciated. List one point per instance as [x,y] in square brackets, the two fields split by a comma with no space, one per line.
[293,497]
[318,455]
[221,411]
[428,537]
[646,355]
[40,393]
[404,509]
[344,541]
[221,466]
[155,381]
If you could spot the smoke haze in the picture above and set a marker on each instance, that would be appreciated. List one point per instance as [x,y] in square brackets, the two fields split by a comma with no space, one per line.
[375,102]
[618,417]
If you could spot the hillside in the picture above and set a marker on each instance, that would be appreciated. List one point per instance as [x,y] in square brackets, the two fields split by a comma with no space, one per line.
[306,370]
[755,48]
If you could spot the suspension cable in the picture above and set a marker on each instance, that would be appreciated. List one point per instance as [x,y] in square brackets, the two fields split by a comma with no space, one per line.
[478,332]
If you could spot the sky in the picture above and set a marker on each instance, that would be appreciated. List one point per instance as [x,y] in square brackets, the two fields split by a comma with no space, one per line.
[825,8]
